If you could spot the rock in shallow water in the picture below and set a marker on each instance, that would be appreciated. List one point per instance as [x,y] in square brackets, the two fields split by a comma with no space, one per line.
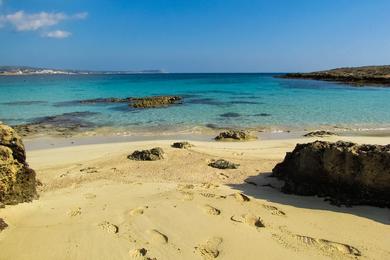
[320,133]
[348,173]
[156,101]
[238,135]
[153,154]
[17,180]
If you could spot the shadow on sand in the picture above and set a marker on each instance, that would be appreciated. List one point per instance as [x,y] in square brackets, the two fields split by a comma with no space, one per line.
[268,188]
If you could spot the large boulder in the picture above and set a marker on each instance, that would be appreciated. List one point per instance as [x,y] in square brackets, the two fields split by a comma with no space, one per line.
[235,135]
[155,101]
[17,180]
[348,173]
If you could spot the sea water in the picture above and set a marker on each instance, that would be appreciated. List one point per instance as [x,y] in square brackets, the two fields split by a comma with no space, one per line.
[210,100]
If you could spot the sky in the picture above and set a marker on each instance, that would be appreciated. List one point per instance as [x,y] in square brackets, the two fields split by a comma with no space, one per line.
[195,35]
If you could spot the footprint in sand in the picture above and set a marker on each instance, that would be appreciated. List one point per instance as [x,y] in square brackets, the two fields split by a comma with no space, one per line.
[274,210]
[208,185]
[140,254]
[138,211]
[89,170]
[157,236]
[89,196]
[223,176]
[75,212]
[187,195]
[248,219]
[109,227]
[209,250]
[211,210]
[241,197]
[185,186]
[328,247]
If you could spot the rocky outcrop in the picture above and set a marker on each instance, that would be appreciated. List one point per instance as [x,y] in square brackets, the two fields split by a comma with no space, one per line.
[236,135]
[17,180]
[182,145]
[320,133]
[348,173]
[357,75]
[223,164]
[156,101]
[153,154]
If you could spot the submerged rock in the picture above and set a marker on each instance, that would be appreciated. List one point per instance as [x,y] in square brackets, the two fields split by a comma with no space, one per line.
[106,100]
[230,114]
[238,135]
[320,133]
[223,164]
[63,124]
[153,154]
[182,145]
[348,173]
[156,101]
[17,180]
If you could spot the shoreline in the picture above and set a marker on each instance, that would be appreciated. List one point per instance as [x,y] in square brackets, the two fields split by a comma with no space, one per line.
[88,137]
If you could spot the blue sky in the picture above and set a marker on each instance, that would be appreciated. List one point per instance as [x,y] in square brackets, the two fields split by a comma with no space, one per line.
[195,36]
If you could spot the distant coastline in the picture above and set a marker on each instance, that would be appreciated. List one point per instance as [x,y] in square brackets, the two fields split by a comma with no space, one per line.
[25,70]
[367,75]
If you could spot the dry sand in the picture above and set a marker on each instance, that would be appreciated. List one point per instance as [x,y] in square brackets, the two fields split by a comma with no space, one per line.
[97,204]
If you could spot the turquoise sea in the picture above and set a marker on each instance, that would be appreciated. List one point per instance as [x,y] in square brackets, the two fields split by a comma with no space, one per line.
[210,100]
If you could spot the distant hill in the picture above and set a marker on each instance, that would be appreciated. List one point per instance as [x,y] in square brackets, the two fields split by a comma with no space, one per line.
[355,75]
[25,70]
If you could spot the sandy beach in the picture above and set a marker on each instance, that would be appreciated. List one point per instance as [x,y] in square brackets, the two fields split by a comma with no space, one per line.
[94,203]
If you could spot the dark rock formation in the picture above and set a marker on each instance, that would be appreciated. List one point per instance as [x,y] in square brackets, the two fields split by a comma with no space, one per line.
[17,180]
[182,145]
[153,154]
[320,133]
[106,100]
[3,225]
[65,124]
[223,164]
[230,114]
[346,172]
[237,135]
[357,75]
[156,101]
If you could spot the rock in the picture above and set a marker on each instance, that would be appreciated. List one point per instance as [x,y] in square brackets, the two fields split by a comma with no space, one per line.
[238,135]
[106,100]
[147,155]
[65,124]
[223,164]
[10,139]
[17,180]
[3,225]
[348,173]
[156,101]
[230,114]
[182,145]
[366,75]
[320,133]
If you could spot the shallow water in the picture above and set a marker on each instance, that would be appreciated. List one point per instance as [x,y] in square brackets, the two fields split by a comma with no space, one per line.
[222,100]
